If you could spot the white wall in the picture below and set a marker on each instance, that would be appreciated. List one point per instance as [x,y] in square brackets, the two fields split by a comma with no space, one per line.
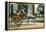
[36,6]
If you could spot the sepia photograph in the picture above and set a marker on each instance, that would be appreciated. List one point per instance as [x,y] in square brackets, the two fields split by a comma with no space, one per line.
[22,15]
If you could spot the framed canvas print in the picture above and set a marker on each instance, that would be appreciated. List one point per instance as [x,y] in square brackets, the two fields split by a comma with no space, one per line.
[24,15]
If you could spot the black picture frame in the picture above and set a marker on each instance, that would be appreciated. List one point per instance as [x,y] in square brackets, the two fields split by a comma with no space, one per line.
[6,28]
